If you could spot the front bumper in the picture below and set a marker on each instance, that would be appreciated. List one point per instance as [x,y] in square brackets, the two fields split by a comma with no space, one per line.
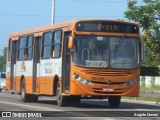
[104,90]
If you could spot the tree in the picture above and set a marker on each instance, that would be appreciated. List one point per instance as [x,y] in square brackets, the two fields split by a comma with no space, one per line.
[3,61]
[148,16]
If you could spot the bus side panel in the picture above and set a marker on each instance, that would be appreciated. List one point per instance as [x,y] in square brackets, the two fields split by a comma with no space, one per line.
[8,83]
[38,85]
[42,85]
[50,84]
[29,83]
[17,83]
[24,70]
[46,84]
[48,70]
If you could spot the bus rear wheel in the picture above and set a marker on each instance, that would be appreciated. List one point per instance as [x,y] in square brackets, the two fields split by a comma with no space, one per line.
[114,101]
[61,100]
[33,98]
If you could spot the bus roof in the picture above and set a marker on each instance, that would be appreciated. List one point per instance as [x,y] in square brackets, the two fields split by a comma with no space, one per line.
[37,30]
[69,24]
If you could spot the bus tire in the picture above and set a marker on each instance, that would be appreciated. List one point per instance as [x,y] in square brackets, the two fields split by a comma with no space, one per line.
[61,100]
[24,96]
[114,101]
[33,98]
[74,99]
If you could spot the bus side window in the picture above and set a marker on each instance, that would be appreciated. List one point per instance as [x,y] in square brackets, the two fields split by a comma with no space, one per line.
[46,45]
[57,41]
[22,47]
[29,48]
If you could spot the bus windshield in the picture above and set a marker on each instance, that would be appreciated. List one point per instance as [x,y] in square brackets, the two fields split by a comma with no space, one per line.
[106,52]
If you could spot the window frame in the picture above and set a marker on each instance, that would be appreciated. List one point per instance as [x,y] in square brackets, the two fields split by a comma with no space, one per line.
[42,45]
[27,47]
[60,44]
[21,48]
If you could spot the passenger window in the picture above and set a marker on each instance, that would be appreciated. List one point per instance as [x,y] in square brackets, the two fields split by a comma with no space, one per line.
[25,48]
[46,45]
[21,47]
[29,47]
[56,47]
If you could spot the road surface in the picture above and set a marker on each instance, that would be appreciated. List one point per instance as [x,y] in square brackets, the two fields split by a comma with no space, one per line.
[87,109]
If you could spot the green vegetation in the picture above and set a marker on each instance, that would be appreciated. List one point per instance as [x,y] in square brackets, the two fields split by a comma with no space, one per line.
[145,98]
[3,61]
[149,98]
[148,16]
[153,88]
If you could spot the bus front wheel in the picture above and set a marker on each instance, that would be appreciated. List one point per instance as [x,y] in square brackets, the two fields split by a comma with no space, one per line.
[61,100]
[74,99]
[114,101]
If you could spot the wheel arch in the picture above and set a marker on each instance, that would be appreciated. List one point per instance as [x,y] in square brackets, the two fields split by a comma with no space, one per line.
[55,81]
[21,79]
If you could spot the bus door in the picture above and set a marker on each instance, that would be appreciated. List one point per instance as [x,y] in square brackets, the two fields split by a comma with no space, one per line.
[36,62]
[13,65]
[66,64]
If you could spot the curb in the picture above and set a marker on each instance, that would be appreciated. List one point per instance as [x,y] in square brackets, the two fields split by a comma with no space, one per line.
[155,91]
[140,101]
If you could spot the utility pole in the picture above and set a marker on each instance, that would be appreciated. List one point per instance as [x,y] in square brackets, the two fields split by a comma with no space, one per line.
[53,12]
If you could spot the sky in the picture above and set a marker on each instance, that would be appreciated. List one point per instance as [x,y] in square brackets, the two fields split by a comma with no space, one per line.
[19,15]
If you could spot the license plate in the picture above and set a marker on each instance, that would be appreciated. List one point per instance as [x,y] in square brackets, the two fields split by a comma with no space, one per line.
[107,89]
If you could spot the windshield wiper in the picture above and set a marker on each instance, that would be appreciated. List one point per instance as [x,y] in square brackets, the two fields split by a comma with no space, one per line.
[119,43]
[94,40]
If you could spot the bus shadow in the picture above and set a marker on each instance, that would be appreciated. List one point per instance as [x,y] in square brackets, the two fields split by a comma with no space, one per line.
[98,104]
[82,104]
[51,102]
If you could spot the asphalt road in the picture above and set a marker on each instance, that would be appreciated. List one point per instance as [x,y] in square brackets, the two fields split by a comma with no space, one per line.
[90,109]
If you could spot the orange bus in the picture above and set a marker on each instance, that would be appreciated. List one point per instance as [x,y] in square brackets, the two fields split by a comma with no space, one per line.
[75,60]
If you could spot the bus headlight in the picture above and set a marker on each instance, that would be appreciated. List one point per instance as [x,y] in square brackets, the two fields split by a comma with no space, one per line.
[83,81]
[132,82]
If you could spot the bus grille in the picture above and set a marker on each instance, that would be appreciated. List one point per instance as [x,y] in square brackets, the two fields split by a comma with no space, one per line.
[106,73]
[113,83]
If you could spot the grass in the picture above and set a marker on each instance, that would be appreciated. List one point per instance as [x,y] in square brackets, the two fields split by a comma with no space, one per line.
[145,98]
[153,88]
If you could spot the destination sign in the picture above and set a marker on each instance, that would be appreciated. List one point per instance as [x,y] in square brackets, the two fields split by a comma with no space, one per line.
[112,27]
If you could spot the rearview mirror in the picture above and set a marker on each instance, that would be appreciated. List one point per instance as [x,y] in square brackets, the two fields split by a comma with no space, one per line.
[70,42]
